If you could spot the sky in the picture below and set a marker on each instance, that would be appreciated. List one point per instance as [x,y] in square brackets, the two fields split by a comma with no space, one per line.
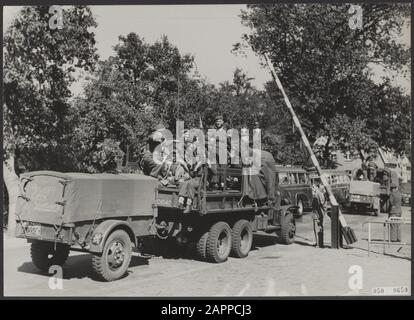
[208,32]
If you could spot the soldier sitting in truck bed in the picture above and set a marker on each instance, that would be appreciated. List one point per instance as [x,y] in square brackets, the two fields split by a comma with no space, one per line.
[158,167]
[188,188]
[261,186]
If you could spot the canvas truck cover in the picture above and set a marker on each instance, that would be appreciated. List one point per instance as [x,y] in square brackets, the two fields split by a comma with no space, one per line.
[367,188]
[53,198]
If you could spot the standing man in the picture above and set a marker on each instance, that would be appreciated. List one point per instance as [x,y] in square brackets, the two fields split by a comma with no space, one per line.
[221,148]
[319,206]
[395,201]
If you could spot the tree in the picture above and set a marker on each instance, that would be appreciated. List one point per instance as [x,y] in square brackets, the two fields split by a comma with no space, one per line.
[326,66]
[39,66]
[353,135]
[142,85]
[238,101]
[387,127]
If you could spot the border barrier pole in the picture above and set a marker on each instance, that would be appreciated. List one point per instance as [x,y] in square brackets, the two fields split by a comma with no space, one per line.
[347,231]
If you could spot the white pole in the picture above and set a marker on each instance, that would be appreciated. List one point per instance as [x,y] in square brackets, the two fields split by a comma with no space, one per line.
[306,142]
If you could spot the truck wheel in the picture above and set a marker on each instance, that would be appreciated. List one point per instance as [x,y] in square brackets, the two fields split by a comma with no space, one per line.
[201,246]
[114,260]
[218,242]
[288,229]
[242,239]
[44,254]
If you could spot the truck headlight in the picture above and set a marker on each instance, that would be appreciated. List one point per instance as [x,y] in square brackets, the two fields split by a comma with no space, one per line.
[97,238]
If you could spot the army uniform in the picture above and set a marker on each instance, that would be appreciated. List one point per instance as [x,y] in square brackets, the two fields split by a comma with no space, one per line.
[220,129]
[372,170]
[188,188]
[395,201]
[319,207]
[262,185]
[152,162]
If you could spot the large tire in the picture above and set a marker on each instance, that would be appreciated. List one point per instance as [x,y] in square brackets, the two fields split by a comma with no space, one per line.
[114,260]
[44,254]
[201,246]
[241,239]
[218,242]
[288,229]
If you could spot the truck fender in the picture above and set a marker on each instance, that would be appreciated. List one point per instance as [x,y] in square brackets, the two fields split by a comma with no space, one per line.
[290,208]
[104,229]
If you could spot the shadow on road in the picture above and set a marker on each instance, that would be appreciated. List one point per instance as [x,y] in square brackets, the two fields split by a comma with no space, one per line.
[76,267]
[379,251]
[169,249]
[362,214]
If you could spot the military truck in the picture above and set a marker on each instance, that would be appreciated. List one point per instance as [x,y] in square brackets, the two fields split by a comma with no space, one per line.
[364,197]
[295,187]
[110,214]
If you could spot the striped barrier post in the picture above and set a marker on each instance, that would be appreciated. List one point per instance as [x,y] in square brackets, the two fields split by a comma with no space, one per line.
[347,231]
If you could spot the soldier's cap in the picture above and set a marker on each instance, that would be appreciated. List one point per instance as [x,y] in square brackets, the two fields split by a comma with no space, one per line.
[157,133]
[371,164]
[219,117]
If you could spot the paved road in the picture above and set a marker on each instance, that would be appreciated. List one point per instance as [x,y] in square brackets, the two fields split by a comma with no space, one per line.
[271,269]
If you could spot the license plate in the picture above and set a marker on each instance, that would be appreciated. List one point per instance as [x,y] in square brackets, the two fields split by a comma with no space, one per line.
[33,230]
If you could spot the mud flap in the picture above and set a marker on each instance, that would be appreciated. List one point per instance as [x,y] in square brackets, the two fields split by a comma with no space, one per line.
[349,235]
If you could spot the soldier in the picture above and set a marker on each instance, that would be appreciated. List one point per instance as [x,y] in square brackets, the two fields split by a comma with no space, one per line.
[261,185]
[395,201]
[220,128]
[219,123]
[153,163]
[188,188]
[372,170]
[182,165]
[319,206]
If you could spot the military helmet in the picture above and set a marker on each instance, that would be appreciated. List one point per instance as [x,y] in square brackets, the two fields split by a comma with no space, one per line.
[219,117]
[371,164]
[157,133]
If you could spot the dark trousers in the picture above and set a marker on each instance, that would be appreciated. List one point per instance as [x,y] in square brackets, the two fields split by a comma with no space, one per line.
[188,188]
[395,231]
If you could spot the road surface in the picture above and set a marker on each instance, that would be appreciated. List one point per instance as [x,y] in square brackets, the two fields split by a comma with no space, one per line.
[271,269]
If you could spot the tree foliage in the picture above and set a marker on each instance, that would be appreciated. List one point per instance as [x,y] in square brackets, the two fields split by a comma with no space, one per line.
[326,67]
[39,67]
[40,64]
[142,85]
